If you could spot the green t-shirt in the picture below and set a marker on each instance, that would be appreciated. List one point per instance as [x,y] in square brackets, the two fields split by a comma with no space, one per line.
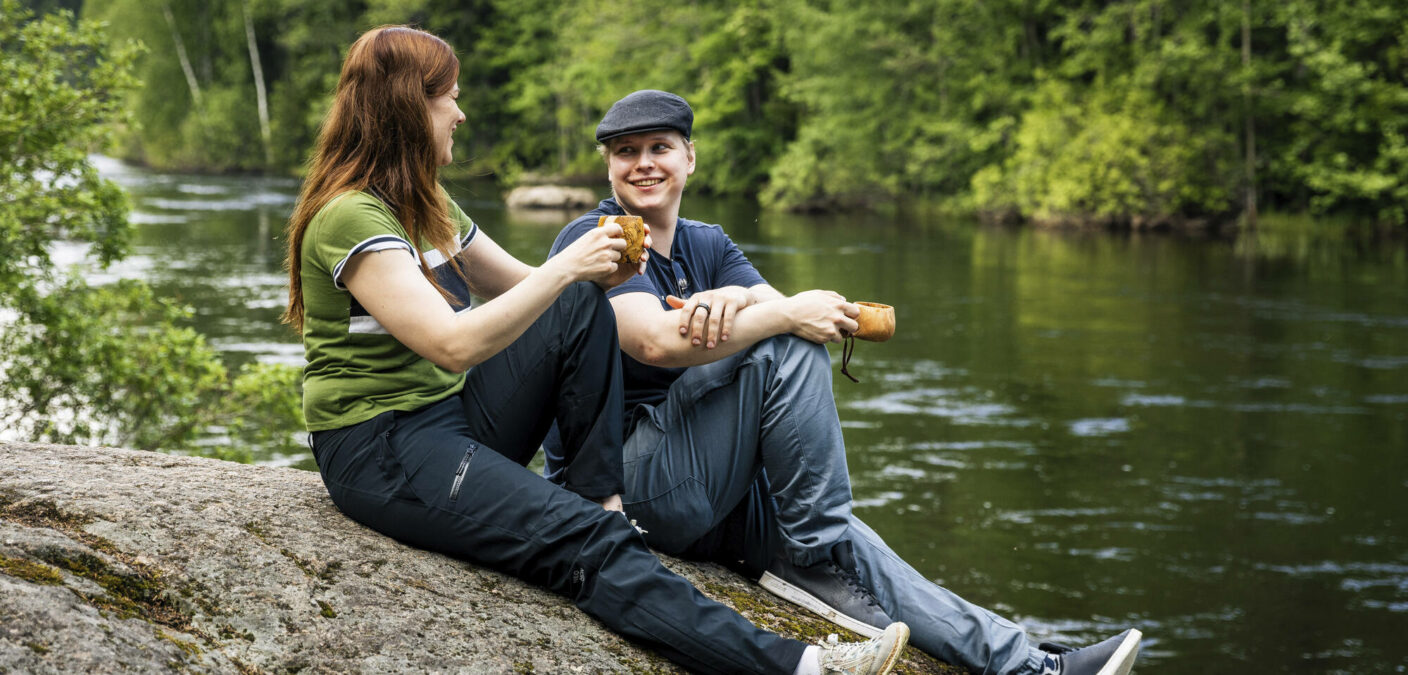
[356,370]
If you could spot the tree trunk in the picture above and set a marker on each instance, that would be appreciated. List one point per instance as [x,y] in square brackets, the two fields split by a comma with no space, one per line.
[1247,111]
[181,55]
[259,93]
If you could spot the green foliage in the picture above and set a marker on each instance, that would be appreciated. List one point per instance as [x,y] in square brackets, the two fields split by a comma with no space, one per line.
[84,374]
[744,122]
[264,407]
[1115,157]
[107,364]
[824,104]
[901,98]
[1343,103]
[301,47]
[59,85]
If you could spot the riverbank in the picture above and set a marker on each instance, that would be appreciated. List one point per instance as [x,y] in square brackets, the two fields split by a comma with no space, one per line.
[116,560]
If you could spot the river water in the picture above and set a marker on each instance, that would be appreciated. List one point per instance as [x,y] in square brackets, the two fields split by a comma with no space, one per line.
[1204,439]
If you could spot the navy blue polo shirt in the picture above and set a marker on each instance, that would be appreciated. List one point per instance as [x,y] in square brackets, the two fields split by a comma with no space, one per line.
[701,258]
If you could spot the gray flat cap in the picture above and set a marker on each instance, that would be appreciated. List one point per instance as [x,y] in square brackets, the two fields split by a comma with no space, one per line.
[646,110]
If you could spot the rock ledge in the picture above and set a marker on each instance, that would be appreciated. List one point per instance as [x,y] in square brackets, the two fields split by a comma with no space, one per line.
[114,560]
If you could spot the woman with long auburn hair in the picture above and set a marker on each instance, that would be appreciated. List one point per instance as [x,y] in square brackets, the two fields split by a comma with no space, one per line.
[423,413]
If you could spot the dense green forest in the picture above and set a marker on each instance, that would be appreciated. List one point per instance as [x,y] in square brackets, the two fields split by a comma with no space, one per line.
[110,363]
[1122,111]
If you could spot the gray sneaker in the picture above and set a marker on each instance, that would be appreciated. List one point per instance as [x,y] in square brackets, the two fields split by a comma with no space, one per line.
[1114,656]
[831,588]
[872,657]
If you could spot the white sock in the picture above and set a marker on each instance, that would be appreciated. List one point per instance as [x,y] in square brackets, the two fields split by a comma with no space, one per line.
[810,664]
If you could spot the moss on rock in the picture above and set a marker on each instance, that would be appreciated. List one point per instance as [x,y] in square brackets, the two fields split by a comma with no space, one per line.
[140,593]
[30,571]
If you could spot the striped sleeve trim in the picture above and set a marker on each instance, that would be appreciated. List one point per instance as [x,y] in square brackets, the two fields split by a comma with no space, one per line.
[380,242]
[367,324]
[434,258]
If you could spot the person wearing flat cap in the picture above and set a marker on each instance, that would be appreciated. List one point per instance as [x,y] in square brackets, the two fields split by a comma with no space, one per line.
[734,452]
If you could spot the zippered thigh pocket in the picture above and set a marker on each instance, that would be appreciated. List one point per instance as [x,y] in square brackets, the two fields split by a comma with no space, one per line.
[460,472]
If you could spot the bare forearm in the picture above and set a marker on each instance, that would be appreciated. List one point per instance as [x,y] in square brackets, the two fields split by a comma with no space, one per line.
[410,308]
[509,279]
[765,293]
[664,346]
[475,336]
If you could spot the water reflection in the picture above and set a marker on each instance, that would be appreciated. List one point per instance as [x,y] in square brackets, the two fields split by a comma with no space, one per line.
[1083,431]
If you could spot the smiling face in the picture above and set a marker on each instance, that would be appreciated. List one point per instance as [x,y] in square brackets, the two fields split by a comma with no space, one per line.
[648,172]
[445,115]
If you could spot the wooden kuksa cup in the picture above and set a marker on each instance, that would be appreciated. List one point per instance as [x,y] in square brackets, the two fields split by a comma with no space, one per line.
[634,229]
[877,322]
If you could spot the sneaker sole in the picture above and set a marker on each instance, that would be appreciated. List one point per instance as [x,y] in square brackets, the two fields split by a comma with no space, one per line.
[894,656]
[811,603]
[1123,659]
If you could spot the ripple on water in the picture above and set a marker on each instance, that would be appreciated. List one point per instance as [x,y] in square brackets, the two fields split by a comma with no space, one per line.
[282,353]
[1153,401]
[1361,578]
[1263,383]
[1025,447]
[1109,553]
[1300,312]
[1225,482]
[879,499]
[247,203]
[1173,400]
[950,404]
[1118,383]
[1099,426]
[1385,362]
[859,424]
[1089,631]
[140,218]
[1282,507]
[935,459]
[1033,515]
[1289,517]
[202,189]
[1305,408]
[1339,569]
[923,370]
[896,471]
[1181,495]
[265,303]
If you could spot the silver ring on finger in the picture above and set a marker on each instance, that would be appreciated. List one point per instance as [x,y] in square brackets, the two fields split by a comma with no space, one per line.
[705,305]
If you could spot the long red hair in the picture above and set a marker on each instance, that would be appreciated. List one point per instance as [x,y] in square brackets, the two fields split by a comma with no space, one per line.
[377,137]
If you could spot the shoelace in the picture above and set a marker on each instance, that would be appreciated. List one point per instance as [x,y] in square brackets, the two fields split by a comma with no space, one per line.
[852,579]
[847,650]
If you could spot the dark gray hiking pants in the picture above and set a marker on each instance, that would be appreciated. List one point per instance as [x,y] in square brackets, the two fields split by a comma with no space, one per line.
[745,458]
[450,477]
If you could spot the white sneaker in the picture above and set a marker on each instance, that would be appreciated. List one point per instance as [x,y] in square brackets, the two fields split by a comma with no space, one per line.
[872,657]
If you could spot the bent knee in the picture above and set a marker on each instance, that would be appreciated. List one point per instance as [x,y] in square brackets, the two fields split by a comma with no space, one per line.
[794,350]
[674,519]
[583,296]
